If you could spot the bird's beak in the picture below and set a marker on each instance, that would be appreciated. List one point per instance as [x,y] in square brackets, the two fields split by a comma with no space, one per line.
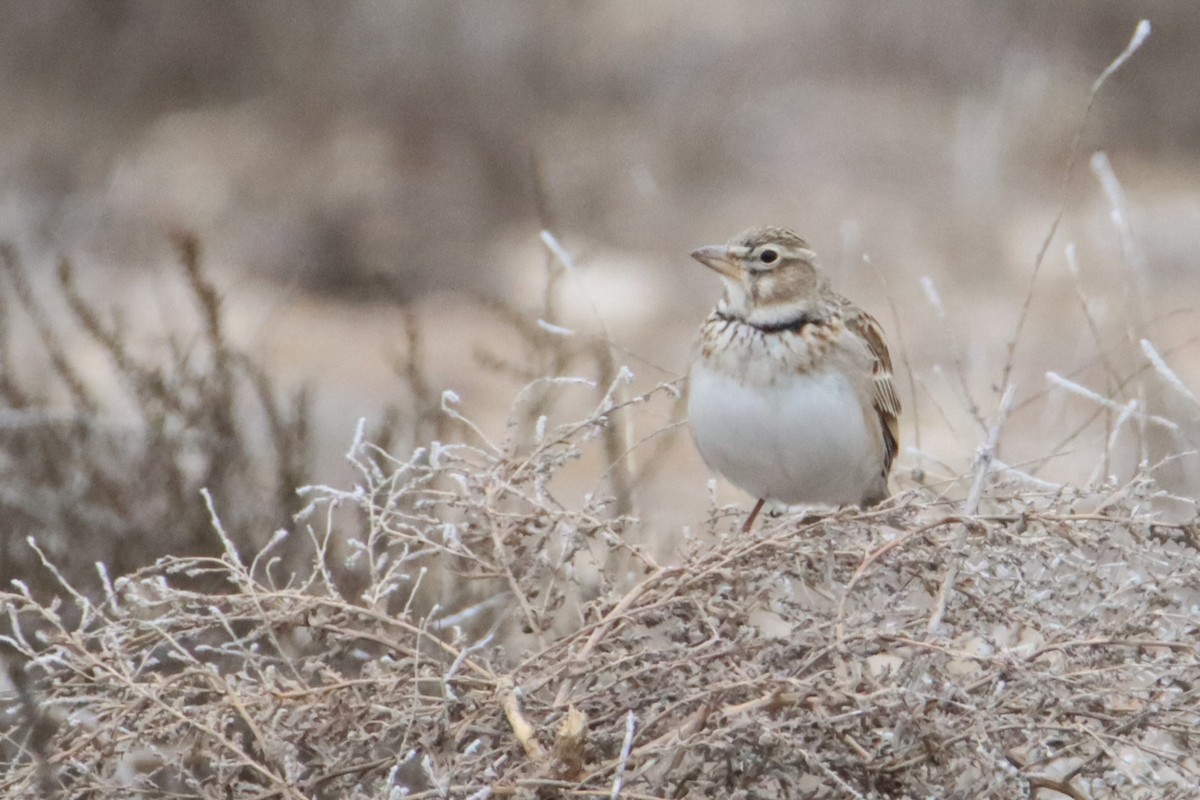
[718,258]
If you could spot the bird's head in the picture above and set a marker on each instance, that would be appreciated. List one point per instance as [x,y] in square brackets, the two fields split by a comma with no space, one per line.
[769,274]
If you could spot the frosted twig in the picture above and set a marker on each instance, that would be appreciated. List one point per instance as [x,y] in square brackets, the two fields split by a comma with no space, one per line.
[983,464]
[557,330]
[281,535]
[449,400]
[1083,391]
[1119,213]
[110,594]
[1168,374]
[1139,35]
[461,657]
[933,296]
[1025,477]
[470,612]
[1127,412]
[357,442]
[226,542]
[626,747]
[563,257]
[1140,32]
[983,460]
[84,604]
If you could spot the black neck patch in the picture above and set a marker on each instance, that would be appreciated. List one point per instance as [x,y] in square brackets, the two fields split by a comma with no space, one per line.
[795,325]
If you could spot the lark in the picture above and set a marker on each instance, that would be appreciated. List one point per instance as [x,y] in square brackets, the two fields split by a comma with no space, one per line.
[791,397]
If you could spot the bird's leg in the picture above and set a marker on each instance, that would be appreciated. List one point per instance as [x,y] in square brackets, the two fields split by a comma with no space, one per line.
[753,515]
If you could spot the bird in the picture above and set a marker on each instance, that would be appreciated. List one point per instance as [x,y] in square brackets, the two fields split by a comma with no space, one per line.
[791,396]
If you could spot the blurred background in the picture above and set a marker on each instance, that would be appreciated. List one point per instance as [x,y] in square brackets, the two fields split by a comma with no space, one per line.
[353,168]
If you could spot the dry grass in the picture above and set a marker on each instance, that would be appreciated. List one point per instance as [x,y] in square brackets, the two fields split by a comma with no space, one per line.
[488,616]
[109,471]
[511,641]
[469,622]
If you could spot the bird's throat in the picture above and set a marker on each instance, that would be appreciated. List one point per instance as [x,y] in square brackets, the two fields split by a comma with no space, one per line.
[795,320]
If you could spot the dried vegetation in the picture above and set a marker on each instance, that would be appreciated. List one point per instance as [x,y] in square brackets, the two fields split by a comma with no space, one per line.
[469,625]
[823,657]
[466,622]
[111,473]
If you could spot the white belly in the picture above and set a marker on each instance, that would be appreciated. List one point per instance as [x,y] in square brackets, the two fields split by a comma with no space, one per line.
[803,439]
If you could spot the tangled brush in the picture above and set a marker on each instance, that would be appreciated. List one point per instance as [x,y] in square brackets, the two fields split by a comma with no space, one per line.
[467,630]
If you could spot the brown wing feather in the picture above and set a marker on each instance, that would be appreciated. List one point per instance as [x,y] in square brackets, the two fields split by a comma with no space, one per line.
[885,400]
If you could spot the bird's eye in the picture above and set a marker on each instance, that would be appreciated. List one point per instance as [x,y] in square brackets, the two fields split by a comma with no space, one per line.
[768,256]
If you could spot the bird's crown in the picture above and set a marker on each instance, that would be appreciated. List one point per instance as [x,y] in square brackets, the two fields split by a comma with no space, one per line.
[785,238]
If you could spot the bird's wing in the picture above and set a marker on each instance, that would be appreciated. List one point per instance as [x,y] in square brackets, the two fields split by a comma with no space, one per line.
[884,397]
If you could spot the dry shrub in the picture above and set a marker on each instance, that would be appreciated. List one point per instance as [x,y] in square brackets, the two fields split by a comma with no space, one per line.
[1046,644]
[113,474]
[474,625]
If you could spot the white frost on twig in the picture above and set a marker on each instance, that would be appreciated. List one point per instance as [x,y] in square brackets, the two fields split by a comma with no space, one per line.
[1139,36]
[557,250]
[1025,477]
[1168,374]
[626,747]
[1083,391]
[557,330]
[935,298]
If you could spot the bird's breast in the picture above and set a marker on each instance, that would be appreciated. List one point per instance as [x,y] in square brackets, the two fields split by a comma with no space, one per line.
[759,358]
[780,418]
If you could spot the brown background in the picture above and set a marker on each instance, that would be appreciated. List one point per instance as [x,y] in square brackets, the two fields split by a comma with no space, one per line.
[340,160]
